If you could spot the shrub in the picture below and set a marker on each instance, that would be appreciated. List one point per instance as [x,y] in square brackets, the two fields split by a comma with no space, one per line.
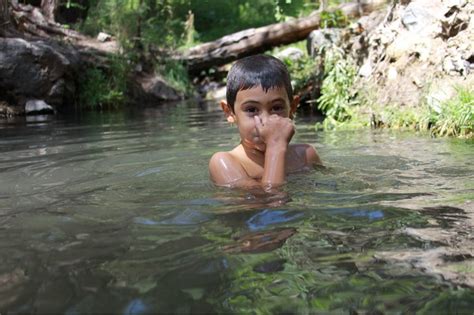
[337,95]
[100,89]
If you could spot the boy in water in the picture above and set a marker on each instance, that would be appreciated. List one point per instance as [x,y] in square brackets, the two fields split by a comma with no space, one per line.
[260,101]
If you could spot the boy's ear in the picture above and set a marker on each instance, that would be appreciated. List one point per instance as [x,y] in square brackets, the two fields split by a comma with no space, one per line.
[229,114]
[294,105]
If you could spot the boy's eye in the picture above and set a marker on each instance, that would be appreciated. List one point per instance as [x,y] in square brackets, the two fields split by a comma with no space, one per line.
[251,110]
[278,108]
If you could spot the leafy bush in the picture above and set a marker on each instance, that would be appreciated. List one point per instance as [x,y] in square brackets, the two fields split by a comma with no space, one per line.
[100,89]
[302,70]
[337,95]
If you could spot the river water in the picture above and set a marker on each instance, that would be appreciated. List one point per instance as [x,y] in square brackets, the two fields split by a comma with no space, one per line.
[114,213]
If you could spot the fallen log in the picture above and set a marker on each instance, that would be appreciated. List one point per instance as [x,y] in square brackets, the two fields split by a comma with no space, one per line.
[257,40]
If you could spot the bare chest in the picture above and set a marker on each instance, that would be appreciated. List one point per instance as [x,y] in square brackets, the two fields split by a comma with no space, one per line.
[294,162]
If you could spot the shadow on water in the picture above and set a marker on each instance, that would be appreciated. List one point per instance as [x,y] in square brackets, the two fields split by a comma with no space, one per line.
[115,214]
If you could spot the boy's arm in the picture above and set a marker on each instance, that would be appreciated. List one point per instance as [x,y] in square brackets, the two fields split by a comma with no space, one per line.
[276,132]
[226,171]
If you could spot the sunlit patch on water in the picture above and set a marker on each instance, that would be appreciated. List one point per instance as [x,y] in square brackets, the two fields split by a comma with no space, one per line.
[114,213]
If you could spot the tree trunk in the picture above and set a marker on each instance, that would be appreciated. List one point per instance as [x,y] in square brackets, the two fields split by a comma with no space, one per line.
[4,17]
[49,9]
[257,40]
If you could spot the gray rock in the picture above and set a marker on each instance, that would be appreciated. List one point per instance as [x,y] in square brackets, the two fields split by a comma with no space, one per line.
[37,70]
[322,38]
[456,65]
[152,88]
[415,18]
[291,53]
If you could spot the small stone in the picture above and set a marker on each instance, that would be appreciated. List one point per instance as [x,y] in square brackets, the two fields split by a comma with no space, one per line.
[392,74]
[366,69]
[37,106]
[456,65]
[103,37]
[417,81]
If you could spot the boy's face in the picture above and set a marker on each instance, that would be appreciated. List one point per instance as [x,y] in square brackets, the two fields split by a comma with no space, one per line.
[256,101]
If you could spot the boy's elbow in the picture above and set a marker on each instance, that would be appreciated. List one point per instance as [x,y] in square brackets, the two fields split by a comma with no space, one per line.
[312,157]
[216,168]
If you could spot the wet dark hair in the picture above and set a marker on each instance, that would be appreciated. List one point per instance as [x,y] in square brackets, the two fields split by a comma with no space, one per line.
[252,71]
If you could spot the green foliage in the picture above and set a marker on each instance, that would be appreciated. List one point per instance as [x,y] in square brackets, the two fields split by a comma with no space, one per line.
[100,89]
[331,19]
[303,71]
[72,4]
[287,9]
[337,95]
[146,21]
[216,18]
[175,74]
[167,23]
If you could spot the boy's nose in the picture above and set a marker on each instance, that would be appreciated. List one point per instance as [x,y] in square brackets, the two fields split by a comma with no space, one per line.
[264,116]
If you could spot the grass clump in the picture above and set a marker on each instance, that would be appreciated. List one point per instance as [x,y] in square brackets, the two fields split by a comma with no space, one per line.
[454,117]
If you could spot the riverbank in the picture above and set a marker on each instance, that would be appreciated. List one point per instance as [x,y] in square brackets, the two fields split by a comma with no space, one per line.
[410,67]
[407,66]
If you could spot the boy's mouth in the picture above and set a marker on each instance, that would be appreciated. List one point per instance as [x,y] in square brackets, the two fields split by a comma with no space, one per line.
[256,143]
[257,139]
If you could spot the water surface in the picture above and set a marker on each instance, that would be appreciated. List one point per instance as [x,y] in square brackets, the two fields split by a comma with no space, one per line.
[114,213]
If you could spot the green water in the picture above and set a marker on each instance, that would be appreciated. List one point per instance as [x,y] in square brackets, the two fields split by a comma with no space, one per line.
[114,213]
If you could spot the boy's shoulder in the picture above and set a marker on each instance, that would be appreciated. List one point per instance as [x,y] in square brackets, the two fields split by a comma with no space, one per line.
[223,156]
[225,167]
[306,154]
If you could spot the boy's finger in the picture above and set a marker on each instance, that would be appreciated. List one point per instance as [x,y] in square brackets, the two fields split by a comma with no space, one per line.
[258,122]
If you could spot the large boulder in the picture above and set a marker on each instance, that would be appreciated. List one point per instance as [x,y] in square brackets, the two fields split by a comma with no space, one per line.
[152,89]
[421,51]
[37,70]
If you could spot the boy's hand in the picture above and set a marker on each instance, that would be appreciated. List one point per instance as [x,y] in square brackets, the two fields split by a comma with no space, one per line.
[275,130]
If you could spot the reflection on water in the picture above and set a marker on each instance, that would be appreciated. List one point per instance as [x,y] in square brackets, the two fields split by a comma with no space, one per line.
[114,213]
